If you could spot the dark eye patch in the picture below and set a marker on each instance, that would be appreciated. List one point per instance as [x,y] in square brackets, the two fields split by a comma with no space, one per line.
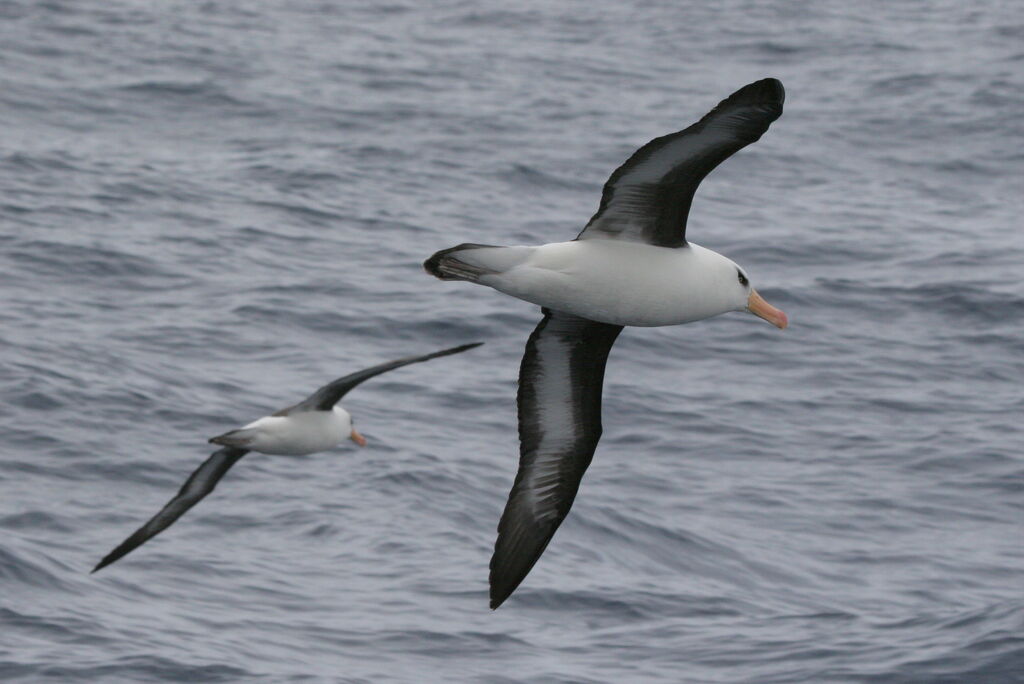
[743,279]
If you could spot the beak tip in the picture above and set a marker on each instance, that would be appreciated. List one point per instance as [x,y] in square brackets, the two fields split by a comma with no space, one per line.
[762,309]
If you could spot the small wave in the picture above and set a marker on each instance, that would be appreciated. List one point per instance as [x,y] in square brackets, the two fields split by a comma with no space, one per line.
[70,262]
[529,177]
[137,669]
[17,570]
[205,91]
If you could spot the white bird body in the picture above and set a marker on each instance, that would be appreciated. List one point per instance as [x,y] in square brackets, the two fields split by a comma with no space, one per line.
[296,434]
[616,281]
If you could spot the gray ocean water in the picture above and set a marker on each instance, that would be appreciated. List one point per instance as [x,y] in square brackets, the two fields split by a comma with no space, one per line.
[208,209]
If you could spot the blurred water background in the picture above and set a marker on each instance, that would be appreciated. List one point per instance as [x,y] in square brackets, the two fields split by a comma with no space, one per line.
[208,209]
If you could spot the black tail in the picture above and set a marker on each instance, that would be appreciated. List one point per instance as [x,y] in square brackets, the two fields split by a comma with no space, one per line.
[446,266]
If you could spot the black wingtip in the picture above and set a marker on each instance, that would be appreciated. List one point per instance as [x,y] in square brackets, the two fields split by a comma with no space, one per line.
[511,562]
[765,91]
[504,582]
[107,560]
[498,599]
[126,547]
[506,577]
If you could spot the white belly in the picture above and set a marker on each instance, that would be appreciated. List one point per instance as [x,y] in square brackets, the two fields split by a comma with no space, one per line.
[625,283]
[300,433]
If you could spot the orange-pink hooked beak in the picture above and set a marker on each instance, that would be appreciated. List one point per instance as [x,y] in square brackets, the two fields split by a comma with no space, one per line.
[757,306]
[357,438]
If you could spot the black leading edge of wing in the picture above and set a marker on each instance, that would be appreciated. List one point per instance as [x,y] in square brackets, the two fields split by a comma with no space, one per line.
[199,484]
[648,198]
[559,400]
[330,394]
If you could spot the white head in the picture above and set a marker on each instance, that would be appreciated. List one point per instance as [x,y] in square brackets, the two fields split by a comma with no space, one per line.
[344,419]
[755,304]
[731,289]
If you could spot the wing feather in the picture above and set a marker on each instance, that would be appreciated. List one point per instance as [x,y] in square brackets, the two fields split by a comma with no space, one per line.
[196,487]
[648,198]
[330,394]
[559,400]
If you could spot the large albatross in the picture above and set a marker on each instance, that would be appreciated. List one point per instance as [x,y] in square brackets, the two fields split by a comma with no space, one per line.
[631,265]
[316,423]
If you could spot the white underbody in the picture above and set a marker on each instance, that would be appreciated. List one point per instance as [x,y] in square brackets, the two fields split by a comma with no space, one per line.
[615,281]
[299,434]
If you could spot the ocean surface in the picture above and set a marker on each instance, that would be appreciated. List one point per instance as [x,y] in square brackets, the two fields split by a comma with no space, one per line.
[208,209]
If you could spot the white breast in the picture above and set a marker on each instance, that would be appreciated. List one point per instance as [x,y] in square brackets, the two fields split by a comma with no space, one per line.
[303,433]
[624,283]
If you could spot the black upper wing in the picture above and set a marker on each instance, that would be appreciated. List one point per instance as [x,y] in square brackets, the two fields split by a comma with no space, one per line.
[648,198]
[560,383]
[330,394]
[198,485]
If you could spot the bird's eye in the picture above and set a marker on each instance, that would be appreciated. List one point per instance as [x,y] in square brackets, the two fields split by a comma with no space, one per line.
[743,279]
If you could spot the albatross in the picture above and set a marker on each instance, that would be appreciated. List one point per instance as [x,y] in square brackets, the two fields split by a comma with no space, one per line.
[316,423]
[630,265]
